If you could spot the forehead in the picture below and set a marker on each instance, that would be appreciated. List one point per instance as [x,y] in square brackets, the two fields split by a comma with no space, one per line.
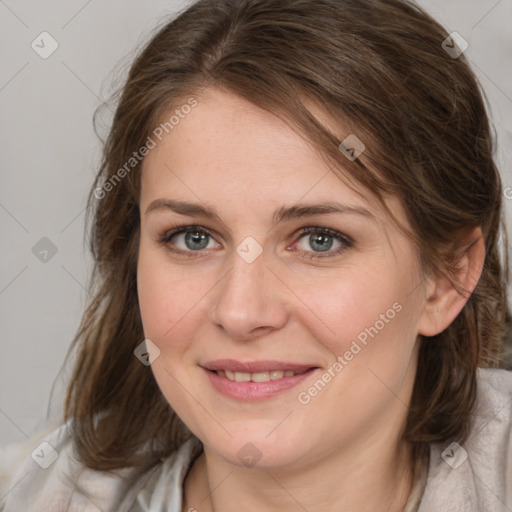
[226,133]
[229,152]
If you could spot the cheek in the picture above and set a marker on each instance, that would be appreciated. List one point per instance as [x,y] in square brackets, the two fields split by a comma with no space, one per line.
[367,324]
[170,306]
[355,305]
[169,299]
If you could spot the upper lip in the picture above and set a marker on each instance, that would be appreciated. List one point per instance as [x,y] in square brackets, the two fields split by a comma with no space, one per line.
[233,365]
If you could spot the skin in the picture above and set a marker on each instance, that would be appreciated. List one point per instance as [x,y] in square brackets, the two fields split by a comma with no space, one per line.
[342,450]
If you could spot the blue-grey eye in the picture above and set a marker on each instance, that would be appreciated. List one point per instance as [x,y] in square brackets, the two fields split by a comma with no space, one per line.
[193,240]
[318,242]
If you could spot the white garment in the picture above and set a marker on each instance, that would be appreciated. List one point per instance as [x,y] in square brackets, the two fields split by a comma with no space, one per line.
[481,483]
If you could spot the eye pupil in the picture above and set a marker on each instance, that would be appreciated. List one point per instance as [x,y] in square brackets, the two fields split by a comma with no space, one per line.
[320,242]
[196,240]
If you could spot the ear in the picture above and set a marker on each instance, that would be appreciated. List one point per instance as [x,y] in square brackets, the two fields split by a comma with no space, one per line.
[443,302]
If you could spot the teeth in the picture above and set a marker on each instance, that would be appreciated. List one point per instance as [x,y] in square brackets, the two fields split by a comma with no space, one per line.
[242,377]
[260,377]
[257,376]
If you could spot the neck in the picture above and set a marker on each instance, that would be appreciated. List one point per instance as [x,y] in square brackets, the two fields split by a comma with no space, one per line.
[353,479]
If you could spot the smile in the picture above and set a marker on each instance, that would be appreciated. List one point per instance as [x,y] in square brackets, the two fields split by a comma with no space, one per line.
[257,376]
[255,380]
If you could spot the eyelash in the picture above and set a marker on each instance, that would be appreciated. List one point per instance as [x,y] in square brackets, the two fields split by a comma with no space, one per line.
[346,241]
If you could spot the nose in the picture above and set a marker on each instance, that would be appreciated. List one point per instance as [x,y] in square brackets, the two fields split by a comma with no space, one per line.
[250,301]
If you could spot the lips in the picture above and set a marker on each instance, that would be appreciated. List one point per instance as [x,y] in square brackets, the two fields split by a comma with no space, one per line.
[255,379]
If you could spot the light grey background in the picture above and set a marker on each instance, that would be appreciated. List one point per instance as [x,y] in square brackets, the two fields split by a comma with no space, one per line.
[49,154]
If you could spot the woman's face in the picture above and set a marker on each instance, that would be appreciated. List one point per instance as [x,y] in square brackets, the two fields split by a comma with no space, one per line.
[286,307]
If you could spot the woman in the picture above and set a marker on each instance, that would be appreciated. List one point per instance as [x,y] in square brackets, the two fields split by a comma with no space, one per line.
[298,293]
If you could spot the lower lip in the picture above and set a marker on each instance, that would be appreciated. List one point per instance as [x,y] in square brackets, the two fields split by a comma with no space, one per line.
[250,391]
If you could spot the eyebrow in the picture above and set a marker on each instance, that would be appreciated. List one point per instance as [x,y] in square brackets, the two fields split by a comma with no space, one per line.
[283,213]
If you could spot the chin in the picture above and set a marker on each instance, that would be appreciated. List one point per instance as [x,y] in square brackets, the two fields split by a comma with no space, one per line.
[260,453]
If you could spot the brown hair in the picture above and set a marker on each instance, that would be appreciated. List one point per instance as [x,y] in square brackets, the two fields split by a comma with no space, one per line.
[378,67]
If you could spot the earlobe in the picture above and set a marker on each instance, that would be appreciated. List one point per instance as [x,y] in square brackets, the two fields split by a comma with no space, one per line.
[446,297]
